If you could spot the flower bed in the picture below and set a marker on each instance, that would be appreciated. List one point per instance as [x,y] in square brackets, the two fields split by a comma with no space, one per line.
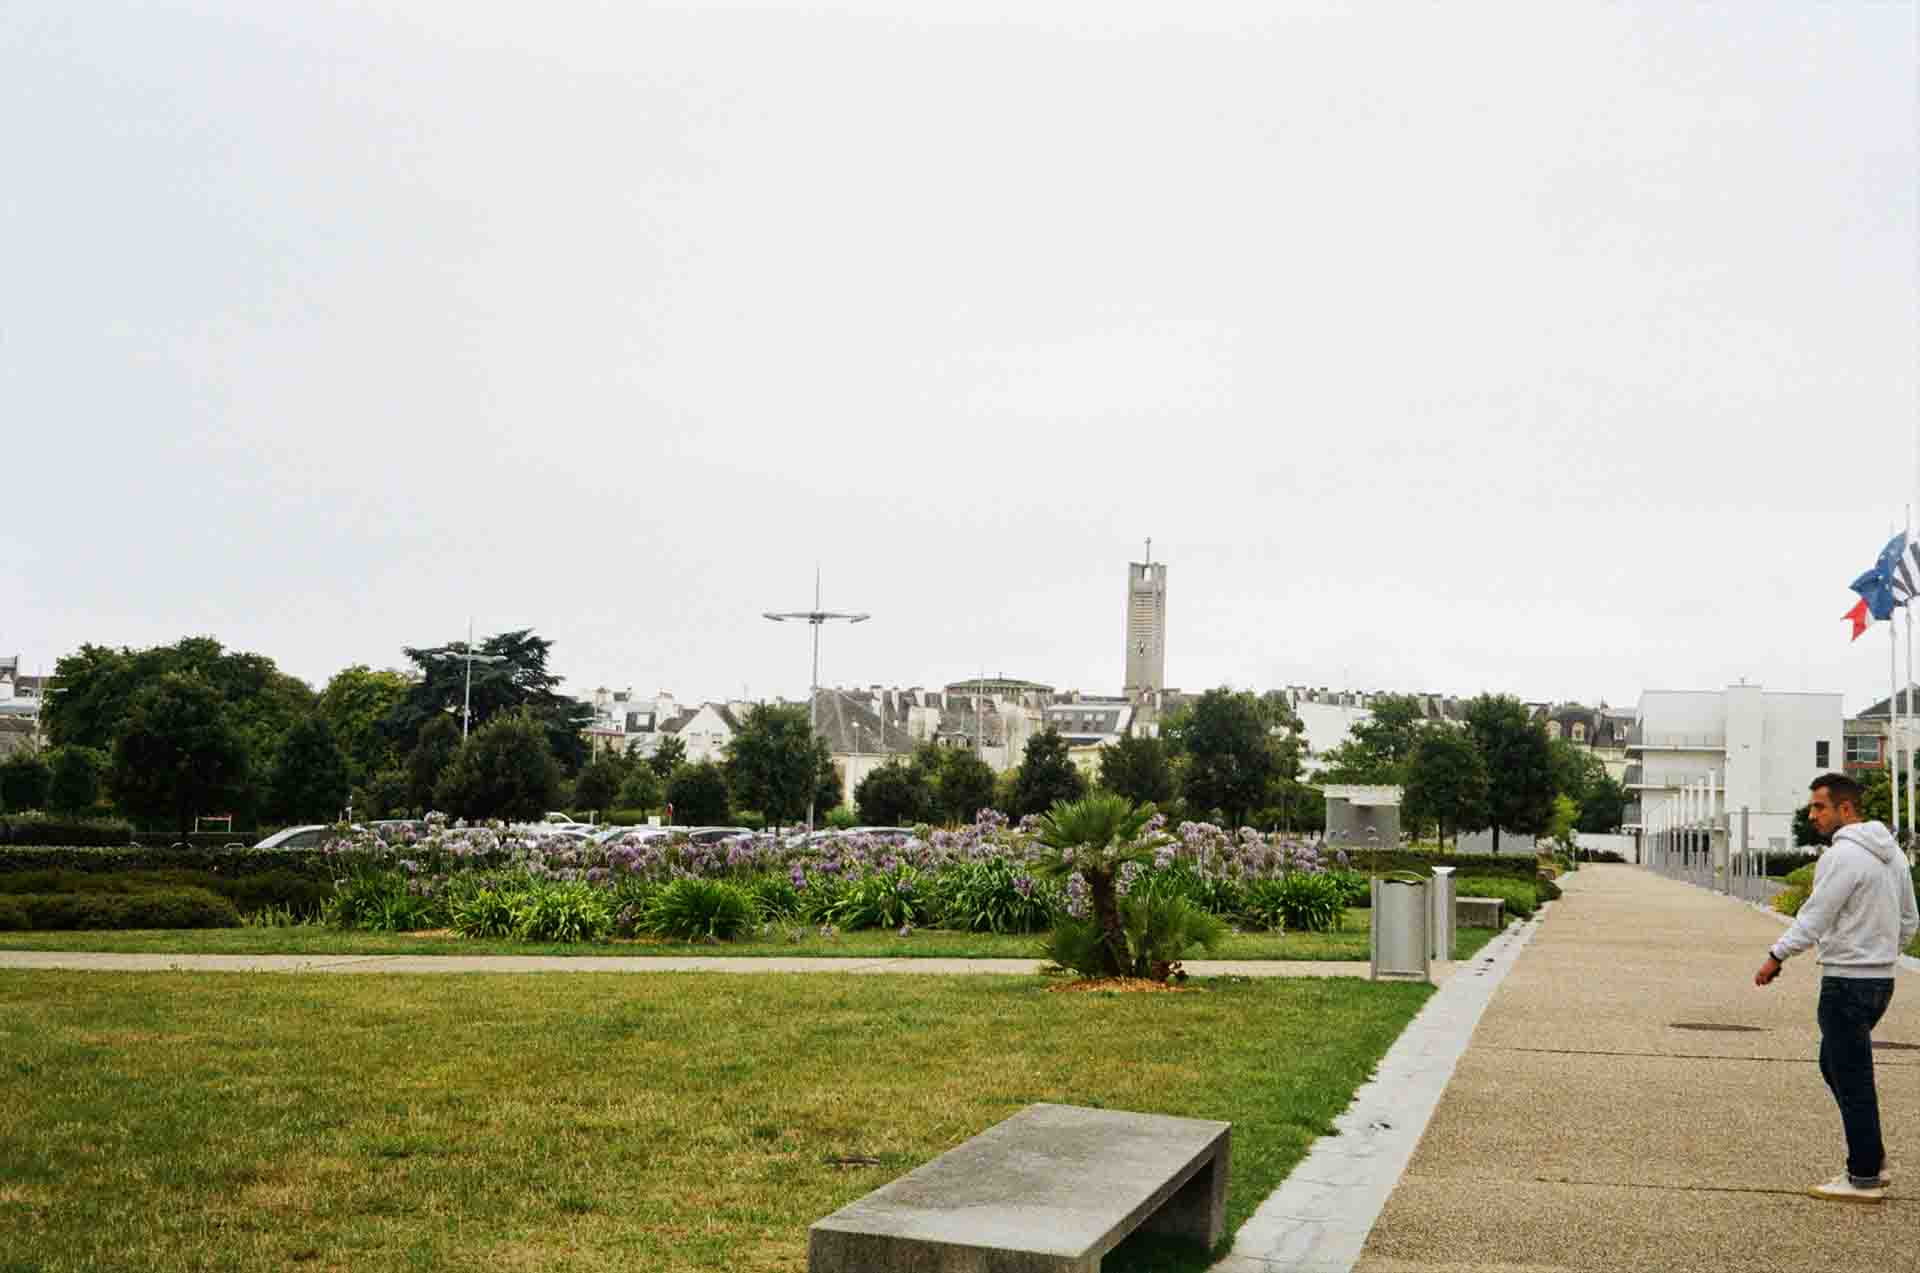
[494,881]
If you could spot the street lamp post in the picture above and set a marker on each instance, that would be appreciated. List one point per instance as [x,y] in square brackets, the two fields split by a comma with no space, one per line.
[814,617]
[466,697]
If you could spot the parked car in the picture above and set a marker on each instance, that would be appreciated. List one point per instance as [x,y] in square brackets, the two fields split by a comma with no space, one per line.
[307,837]
[642,834]
[715,835]
[393,830]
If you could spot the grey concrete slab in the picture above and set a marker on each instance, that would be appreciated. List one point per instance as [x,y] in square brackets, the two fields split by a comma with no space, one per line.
[1055,1187]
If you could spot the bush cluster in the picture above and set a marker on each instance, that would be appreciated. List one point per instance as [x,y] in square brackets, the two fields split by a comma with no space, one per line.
[289,891]
[45,828]
[146,908]
[1522,897]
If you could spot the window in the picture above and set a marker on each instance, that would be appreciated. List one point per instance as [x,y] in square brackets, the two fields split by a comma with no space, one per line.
[1820,750]
[1863,749]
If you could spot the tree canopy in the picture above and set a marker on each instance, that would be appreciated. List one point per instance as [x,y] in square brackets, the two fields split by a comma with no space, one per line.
[1231,755]
[898,793]
[1446,781]
[94,689]
[1047,775]
[505,770]
[308,781]
[698,794]
[1520,783]
[355,704]
[1138,768]
[773,762]
[520,682]
[178,754]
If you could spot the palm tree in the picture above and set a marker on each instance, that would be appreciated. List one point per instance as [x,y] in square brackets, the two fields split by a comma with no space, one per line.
[1096,836]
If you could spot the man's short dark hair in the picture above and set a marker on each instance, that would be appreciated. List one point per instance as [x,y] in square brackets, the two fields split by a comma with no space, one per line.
[1840,789]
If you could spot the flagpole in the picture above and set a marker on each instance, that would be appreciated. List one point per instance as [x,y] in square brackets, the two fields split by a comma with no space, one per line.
[1893,719]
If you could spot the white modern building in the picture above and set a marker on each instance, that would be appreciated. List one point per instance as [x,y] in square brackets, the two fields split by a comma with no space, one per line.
[1698,758]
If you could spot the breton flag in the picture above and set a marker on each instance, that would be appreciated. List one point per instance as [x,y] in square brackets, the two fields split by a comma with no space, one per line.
[1891,582]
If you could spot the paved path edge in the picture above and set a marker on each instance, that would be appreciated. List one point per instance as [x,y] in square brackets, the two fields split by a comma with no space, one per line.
[1318,1220]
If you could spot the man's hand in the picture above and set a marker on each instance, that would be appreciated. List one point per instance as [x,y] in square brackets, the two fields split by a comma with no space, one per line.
[1768,971]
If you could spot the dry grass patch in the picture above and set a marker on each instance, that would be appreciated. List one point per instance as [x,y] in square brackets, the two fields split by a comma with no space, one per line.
[587,1123]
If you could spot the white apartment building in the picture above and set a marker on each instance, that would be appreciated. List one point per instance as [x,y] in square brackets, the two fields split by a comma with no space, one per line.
[1708,754]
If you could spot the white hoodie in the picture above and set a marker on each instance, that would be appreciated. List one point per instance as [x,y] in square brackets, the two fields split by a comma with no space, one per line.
[1862,909]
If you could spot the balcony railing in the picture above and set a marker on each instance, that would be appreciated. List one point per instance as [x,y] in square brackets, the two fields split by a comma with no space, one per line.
[1638,740]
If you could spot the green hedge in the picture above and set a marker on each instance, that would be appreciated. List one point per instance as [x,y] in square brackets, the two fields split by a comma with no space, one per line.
[41,828]
[232,863]
[301,894]
[1521,896]
[152,908]
[1522,866]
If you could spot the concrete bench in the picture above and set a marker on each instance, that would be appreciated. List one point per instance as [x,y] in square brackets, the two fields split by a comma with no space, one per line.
[1055,1187]
[1479,912]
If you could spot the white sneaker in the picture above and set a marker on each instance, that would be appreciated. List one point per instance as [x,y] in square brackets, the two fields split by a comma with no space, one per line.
[1842,1189]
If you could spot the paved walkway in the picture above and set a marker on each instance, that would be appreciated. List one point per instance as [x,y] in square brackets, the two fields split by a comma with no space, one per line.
[93,961]
[1594,1125]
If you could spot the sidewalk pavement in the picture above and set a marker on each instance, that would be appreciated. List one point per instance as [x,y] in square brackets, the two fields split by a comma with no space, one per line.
[1599,1121]
[93,961]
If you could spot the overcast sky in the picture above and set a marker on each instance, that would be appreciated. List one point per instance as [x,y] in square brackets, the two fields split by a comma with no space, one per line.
[1562,349]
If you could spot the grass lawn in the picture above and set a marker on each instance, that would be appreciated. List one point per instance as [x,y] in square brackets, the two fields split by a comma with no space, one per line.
[1349,944]
[223,1121]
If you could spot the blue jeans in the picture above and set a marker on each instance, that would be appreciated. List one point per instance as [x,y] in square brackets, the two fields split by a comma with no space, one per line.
[1849,1009]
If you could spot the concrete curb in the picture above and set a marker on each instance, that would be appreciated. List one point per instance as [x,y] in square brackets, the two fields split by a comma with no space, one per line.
[1318,1220]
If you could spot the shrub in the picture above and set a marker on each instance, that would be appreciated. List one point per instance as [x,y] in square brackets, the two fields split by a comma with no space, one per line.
[482,912]
[40,828]
[773,897]
[692,909]
[1160,928]
[149,908]
[991,896]
[883,899]
[13,916]
[380,902]
[563,913]
[1545,889]
[1790,899]
[283,890]
[1521,896]
[1306,902]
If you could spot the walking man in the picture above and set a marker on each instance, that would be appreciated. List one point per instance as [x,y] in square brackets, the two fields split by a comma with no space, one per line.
[1863,915]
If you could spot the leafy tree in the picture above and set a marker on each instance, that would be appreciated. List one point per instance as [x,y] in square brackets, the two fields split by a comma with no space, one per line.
[1446,781]
[1047,775]
[1293,805]
[773,762]
[698,794]
[519,682]
[24,778]
[1138,768]
[1230,753]
[355,704]
[505,770]
[177,753]
[668,756]
[1804,833]
[898,793]
[964,785]
[76,776]
[1566,814]
[599,783]
[95,689]
[1604,806]
[439,740]
[642,789]
[1520,787]
[309,781]
[385,794]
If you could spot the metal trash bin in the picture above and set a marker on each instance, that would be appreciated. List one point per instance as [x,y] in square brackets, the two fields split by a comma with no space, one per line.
[1402,915]
[1440,890]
